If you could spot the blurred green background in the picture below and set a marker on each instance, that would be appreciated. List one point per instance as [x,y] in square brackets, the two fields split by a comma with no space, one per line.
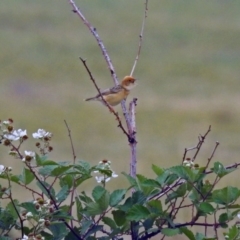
[188,76]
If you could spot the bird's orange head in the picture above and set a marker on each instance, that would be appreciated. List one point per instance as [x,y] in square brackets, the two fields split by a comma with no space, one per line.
[128,82]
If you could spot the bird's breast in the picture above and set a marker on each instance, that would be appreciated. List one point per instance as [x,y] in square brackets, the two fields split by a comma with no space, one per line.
[115,98]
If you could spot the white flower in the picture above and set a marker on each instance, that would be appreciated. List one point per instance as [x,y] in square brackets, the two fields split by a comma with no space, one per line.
[30,153]
[15,135]
[114,175]
[2,169]
[101,179]
[41,133]
[29,156]
[238,215]
[25,237]
[6,122]
[29,215]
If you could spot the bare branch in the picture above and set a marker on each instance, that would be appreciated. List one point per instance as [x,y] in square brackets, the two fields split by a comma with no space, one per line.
[74,161]
[212,155]
[98,39]
[201,140]
[140,38]
[105,102]
[133,142]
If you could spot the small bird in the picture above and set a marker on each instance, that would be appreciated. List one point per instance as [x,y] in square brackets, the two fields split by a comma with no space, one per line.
[113,96]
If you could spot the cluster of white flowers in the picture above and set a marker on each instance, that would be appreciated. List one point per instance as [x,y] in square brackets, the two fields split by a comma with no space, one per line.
[32,237]
[8,135]
[103,178]
[15,135]
[5,169]
[41,134]
[41,221]
[189,163]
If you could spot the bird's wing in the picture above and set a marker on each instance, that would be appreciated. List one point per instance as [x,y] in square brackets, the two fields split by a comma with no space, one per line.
[108,91]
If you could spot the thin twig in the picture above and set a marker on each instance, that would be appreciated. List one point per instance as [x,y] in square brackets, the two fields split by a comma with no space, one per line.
[140,38]
[105,102]
[71,142]
[74,161]
[197,147]
[202,138]
[13,203]
[212,155]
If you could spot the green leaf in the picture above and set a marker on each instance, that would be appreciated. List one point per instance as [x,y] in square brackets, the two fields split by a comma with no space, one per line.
[83,167]
[137,213]
[46,189]
[93,209]
[30,207]
[82,179]
[49,162]
[148,186]
[199,236]
[206,208]
[167,178]
[47,170]
[108,221]
[71,236]
[180,192]
[67,180]
[58,230]
[85,198]
[85,226]
[11,208]
[170,231]
[5,238]
[40,159]
[97,192]
[62,213]
[155,206]
[233,233]
[93,230]
[183,172]
[7,219]
[117,196]
[60,170]
[187,233]
[138,197]
[13,178]
[103,201]
[119,217]
[220,170]
[131,180]
[62,194]
[27,176]
[157,170]
[79,209]
[225,217]
[148,223]
[226,195]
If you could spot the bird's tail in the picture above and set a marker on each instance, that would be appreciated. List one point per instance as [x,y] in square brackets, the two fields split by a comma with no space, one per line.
[90,99]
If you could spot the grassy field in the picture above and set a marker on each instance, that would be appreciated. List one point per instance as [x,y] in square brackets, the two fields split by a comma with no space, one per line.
[188,78]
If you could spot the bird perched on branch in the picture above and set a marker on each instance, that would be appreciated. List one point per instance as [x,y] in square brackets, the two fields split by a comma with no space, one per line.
[113,96]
